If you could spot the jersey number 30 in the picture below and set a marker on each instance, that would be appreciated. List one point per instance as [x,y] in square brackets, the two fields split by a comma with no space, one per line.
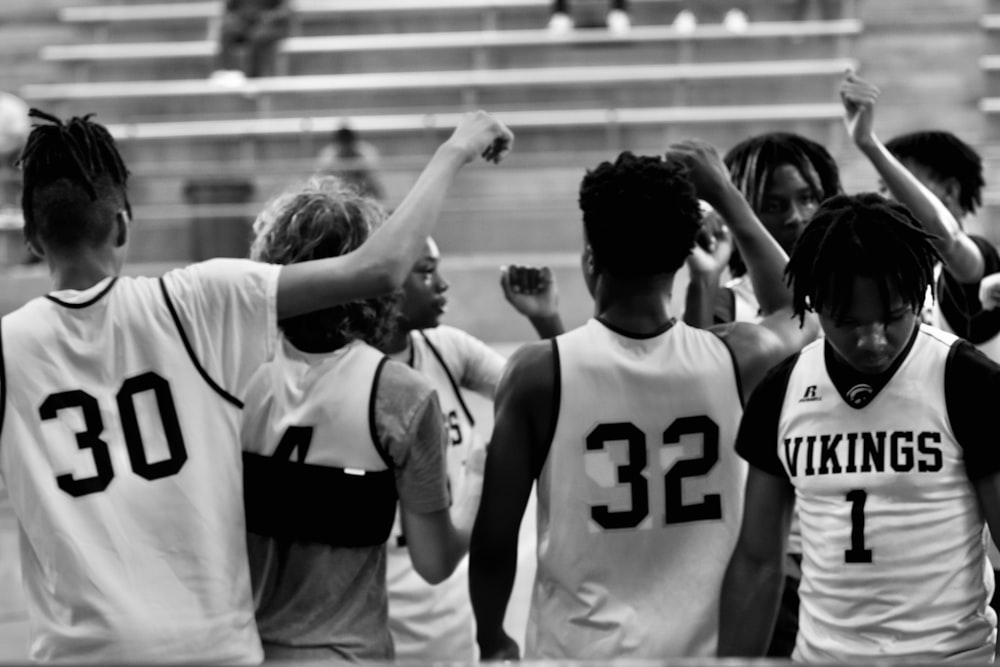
[632,473]
[90,437]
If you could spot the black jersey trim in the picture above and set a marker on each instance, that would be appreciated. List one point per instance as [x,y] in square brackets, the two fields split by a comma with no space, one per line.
[637,336]
[553,409]
[190,350]
[97,297]
[454,385]
[3,381]
[371,415]
[736,371]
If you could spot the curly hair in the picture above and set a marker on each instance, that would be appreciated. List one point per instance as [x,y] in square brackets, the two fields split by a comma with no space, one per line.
[866,235]
[323,217]
[640,214]
[752,161]
[945,156]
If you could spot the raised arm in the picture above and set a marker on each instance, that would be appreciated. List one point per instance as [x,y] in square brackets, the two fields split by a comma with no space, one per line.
[962,258]
[523,409]
[380,265]
[763,255]
[706,264]
[532,291]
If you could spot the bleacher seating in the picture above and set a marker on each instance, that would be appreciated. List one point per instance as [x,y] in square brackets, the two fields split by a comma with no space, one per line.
[399,72]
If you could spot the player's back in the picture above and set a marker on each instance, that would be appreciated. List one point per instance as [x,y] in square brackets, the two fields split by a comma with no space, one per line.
[640,498]
[121,458]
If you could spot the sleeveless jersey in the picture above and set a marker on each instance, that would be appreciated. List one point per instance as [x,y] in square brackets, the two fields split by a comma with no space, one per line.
[640,498]
[435,622]
[747,309]
[309,441]
[120,450]
[894,559]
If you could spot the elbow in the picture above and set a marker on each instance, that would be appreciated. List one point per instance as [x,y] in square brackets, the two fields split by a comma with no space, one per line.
[436,572]
[387,276]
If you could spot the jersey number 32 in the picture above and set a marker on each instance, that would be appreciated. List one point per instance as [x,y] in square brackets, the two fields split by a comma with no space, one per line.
[632,473]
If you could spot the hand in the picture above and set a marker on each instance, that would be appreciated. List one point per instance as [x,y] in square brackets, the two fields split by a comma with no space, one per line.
[708,173]
[479,133]
[531,290]
[859,98]
[989,291]
[506,650]
[712,249]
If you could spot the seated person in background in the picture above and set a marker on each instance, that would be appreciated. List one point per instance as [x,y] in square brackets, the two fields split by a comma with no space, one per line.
[561,21]
[332,423]
[435,622]
[628,425]
[249,34]
[352,159]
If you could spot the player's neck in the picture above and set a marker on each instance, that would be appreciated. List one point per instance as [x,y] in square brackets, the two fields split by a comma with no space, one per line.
[398,342]
[634,307]
[83,270]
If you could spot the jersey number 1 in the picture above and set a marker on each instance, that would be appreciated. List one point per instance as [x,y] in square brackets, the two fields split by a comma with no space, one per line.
[857,553]
[90,437]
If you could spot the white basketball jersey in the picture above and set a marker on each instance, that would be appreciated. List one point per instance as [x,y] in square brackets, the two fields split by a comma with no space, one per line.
[120,451]
[894,557]
[434,622]
[747,308]
[328,393]
[640,499]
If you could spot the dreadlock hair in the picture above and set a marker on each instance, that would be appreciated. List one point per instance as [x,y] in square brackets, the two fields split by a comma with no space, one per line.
[945,156]
[752,161]
[640,214]
[866,235]
[324,217]
[74,182]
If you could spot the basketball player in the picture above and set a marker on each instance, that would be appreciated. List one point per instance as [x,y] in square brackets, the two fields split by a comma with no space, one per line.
[121,403]
[940,179]
[881,435]
[784,176]
[435,622]
[328,423]
[627,423]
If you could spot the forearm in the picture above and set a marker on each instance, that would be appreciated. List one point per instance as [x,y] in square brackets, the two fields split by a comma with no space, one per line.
[748,607]
[961,256]
[380,265]
[549,326]
[699,302]
[397,243]
[492,570]
[762,254]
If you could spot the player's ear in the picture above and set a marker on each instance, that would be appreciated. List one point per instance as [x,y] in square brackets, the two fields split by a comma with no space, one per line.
[952,190]
[36,249]
[122,220]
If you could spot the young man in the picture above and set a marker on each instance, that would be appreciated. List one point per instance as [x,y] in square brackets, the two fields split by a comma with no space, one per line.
[784,176]
[435,622]
[881,436]
[121,404]
[627,423]
[362,432]
[940,179]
